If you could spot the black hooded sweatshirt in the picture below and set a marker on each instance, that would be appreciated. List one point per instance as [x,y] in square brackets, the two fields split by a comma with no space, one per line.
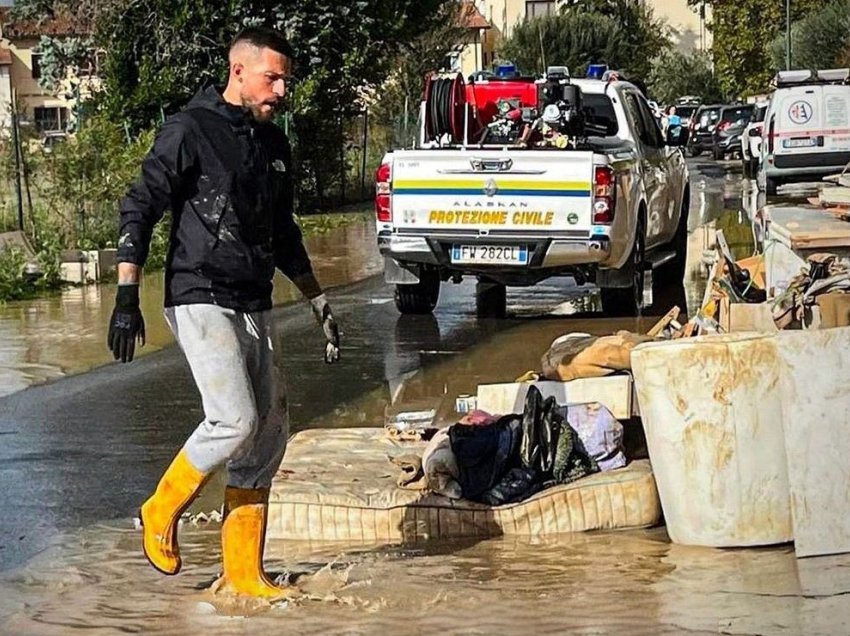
[228,182]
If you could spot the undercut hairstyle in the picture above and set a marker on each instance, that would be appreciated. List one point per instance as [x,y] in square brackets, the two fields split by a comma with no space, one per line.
[264,38]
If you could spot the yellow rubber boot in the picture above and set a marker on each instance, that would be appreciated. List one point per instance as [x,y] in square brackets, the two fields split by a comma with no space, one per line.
[160,514]
[243,537]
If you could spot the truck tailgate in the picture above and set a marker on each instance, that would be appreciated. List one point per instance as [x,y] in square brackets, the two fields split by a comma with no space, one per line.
[522,192]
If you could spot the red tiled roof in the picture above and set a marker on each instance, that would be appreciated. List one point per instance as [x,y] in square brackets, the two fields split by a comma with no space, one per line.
[471,17]
[59,25]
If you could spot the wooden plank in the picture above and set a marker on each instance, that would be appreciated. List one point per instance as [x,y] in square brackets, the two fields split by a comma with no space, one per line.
[811,242]
[659,326]
[842,214]
[835,196]
[805,227]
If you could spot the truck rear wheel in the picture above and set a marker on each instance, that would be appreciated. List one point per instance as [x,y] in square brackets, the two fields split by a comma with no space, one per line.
[673,272]
[771,186]
[627,301]
[421,297]
[491,299]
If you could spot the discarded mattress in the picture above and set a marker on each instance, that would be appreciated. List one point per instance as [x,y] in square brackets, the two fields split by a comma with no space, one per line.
[339,485]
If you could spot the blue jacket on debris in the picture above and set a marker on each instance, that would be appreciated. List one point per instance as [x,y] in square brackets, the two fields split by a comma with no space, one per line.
[227,180]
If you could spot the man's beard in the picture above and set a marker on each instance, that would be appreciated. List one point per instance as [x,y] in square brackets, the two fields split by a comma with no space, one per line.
[257,111]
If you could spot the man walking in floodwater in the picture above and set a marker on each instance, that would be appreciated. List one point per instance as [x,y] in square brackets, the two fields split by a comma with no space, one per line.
[224,170]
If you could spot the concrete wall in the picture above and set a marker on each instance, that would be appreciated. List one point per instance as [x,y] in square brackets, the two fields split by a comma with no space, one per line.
[689,31]
[5,97]
[478,54]
[502,14]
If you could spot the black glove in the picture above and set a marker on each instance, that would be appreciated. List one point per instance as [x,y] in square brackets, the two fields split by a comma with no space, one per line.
[322,312]
[126,324]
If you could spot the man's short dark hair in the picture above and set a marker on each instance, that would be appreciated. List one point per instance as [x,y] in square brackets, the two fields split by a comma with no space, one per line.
[265,38]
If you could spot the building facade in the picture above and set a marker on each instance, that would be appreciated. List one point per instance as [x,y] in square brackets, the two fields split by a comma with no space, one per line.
[688,25]
[49,112]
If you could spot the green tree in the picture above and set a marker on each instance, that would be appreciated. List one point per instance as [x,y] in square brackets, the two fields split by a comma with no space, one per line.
[742,32]
[621,33]
[818,40]
[645,35]
[395,104]
[157,53]
[574,39]
[675,74]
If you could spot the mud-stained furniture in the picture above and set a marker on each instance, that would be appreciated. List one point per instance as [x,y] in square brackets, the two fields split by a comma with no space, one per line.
[338,484]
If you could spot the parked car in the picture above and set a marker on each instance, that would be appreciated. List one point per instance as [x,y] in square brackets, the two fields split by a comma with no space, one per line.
[686,112]
[702,128]
[806,128]
[726,138]
[751,141]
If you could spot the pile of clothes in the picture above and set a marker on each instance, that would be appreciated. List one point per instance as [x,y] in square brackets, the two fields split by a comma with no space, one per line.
[580,355]
[503,459]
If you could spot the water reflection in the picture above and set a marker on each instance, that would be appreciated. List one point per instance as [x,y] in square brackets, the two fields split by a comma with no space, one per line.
[65,333]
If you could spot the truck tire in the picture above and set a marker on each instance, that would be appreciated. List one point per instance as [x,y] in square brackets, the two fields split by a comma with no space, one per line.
[746,168]
[771,185]
[490,299]
[627,301]
[673,272]
[420,298]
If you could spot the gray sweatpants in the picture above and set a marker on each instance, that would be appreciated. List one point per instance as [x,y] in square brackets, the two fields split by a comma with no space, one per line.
[246,421]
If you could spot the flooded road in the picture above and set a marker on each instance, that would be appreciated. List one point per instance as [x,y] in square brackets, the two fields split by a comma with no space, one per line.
[65,333]
[78,456]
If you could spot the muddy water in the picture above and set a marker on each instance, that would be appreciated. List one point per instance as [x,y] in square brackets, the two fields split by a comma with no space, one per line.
[65,333]
[630,582]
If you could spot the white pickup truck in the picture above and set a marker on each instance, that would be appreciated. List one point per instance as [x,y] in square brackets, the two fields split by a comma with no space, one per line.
[513,216]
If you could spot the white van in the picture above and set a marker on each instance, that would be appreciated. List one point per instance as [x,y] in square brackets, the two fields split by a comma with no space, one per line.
[806,132]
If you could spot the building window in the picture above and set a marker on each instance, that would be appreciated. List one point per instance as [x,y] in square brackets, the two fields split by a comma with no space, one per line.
[539,8]
[50,118]
[36,65]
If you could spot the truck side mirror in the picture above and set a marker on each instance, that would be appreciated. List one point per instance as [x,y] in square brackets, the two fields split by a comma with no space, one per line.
[754,132]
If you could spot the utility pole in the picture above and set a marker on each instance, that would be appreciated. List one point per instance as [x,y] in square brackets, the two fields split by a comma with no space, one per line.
[787,35]
[16,143]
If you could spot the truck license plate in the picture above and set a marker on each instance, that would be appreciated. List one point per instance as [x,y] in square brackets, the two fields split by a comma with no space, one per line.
[808,142]
[490,254]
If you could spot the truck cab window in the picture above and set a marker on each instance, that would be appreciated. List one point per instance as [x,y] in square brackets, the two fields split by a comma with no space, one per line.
[599,114]
[633,108]
[654,137]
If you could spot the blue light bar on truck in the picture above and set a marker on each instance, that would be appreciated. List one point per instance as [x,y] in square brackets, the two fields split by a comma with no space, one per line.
[505,70]
[596,71]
